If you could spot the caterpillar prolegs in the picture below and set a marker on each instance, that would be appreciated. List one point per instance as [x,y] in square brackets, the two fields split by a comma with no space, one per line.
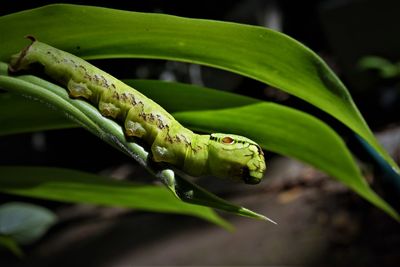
[221,155]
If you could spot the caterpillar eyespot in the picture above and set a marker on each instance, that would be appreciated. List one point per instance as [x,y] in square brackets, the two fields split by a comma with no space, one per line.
[227,140]
[226,156]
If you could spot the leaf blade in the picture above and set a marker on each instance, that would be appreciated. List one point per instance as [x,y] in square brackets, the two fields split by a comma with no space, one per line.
[78,187]
[276,135]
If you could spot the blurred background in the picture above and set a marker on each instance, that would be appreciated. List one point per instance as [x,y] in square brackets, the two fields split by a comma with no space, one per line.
[320,222]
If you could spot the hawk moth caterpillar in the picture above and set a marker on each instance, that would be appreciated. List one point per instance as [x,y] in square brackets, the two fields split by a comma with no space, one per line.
[222,155]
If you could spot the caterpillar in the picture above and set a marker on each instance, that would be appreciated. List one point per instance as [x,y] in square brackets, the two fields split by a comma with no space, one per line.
[218,154]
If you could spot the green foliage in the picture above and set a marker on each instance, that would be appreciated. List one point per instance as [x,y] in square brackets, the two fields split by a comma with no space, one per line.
[240,114]
[385,68]
[24,222]
[8,243]
[247,117]
[259,53]
[79,187]
[108,130]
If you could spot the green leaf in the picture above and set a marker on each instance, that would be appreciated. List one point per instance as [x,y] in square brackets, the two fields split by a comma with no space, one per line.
[30,117]
[10,244]
[25,222]
[247,116]
[18,115]
[313,142]
[79,187]
[175,96]
[108,130]
[256,52]
[386,68]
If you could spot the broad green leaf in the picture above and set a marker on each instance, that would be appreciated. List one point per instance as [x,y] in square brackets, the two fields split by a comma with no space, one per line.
[30,116]
[17,115]
[25,222]
[108,130]
[265,122]
[79,187]
[304,138]
[175,96]
[255,52]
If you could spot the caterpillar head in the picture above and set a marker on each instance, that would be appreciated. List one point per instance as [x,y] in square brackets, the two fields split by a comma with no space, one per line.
[236,157]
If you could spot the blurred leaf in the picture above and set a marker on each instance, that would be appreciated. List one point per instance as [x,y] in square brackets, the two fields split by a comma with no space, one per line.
[385,67]
[24,222]
[79,187]
[259,53]
[10,244]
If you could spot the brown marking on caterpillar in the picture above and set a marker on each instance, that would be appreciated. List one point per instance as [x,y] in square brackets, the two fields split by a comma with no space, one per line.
[177,139]
[133,100]
[160,123]
[142,115]
[168,137]
[17,64]
[54,57]
[104,82]
[96,79]
[134,129]
[109,109]
[73,62]
[151,117]
[187,142]
[147,116]
[87,76]
[195,149]
[116,96]
[124,97]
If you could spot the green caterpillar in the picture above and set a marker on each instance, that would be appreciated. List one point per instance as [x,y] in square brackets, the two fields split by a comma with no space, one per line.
[221,155]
